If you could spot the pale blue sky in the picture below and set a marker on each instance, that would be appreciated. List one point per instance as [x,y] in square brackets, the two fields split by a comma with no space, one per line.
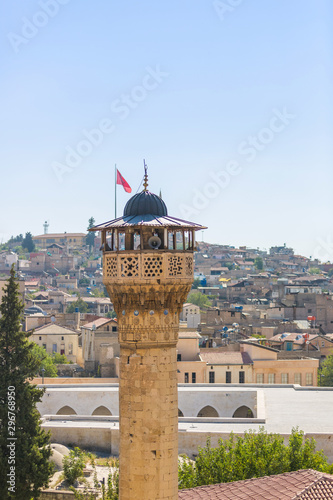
[204,78]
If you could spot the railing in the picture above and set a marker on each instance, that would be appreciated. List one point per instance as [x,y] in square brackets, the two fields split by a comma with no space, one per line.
[150,265]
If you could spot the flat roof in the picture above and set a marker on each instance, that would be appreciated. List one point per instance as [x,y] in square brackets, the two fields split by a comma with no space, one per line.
[285,406]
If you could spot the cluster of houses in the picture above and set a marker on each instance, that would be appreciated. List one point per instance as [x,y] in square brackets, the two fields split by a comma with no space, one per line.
[268,320]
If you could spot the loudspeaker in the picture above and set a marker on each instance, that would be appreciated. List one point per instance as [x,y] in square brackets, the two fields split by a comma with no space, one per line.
[154,242]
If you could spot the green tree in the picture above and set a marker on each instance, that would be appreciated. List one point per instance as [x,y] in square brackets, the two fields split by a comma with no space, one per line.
[196,283]
[198,299]
[84,282]
[302,454]
[73,465]
[46,361]
[259,263]
[90,238]
[28,243]
[186,473]
[255,454]
[330,272]
[325,373]
[28,458]
[80,304]
[59,359]
[314,270]
[111,314]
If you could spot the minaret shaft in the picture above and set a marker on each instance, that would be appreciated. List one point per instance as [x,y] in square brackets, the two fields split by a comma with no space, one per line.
[148,423]
[148,319]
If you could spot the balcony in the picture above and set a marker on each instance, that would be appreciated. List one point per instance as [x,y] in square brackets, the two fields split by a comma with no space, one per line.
[150,266]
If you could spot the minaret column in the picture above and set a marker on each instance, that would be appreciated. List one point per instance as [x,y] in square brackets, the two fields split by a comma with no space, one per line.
[148,319]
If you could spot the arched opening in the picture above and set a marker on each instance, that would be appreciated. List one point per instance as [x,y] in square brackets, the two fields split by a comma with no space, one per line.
[101,410]
[66,410]
[243,412]
[180,413]
[208,411]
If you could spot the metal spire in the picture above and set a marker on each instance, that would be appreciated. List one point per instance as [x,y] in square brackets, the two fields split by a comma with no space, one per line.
[145,181]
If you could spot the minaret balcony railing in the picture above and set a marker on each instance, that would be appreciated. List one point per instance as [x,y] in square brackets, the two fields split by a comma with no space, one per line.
[151,265]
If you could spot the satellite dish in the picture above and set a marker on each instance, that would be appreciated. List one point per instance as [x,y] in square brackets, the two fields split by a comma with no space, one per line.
[154,242]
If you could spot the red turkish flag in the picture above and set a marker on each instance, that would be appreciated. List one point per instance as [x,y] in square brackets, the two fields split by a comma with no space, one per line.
[122,182]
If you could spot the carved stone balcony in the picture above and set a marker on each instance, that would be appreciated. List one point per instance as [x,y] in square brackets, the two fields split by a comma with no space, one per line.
[158,266]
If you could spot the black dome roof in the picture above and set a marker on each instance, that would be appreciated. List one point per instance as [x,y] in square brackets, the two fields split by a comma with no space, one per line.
[145,203]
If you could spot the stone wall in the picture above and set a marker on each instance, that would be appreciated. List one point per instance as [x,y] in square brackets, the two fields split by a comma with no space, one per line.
[107,440]
[56,495]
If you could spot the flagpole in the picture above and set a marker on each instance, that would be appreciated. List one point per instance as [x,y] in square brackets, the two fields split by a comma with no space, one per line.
[115,191]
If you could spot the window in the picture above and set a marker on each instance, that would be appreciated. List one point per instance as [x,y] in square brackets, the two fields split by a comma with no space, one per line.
[186,378]
[298,378]
[323,343]
[212,377]
[70,348]
[228,377]
[232,314]
[62,338]
[241,377]
[194,377]
[260,378]
[271,378]
[54,347]
[179,357]
[309,379]
[284,378]
[309,311]
[44,346]
[107,328]
[114,328]
[40,338]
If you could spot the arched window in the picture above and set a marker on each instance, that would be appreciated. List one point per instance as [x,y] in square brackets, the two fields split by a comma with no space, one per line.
[208,411]
[243,412]
[101,410]
[180,413]
[66,410]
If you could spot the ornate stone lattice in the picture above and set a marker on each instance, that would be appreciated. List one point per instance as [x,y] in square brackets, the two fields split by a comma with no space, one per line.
[189,265]
[175,265]
[152,267]
[111,266]
[129,266]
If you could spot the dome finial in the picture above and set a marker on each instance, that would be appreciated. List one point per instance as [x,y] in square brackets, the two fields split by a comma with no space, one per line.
[145,181]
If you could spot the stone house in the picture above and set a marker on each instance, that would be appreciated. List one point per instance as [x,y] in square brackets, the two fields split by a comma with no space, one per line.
[55,338]
[100,347]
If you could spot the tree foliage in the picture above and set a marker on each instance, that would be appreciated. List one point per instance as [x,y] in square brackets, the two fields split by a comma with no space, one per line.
[28,242]
[259,263]
[325,374]
[19,418]
[255,454]
[73,465]
[198,299]
[111,314]
[314,270]
[80,304]
[48,361]
[90,238]
[196,283]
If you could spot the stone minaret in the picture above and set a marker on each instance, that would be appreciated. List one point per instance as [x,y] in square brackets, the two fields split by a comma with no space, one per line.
[148,272]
